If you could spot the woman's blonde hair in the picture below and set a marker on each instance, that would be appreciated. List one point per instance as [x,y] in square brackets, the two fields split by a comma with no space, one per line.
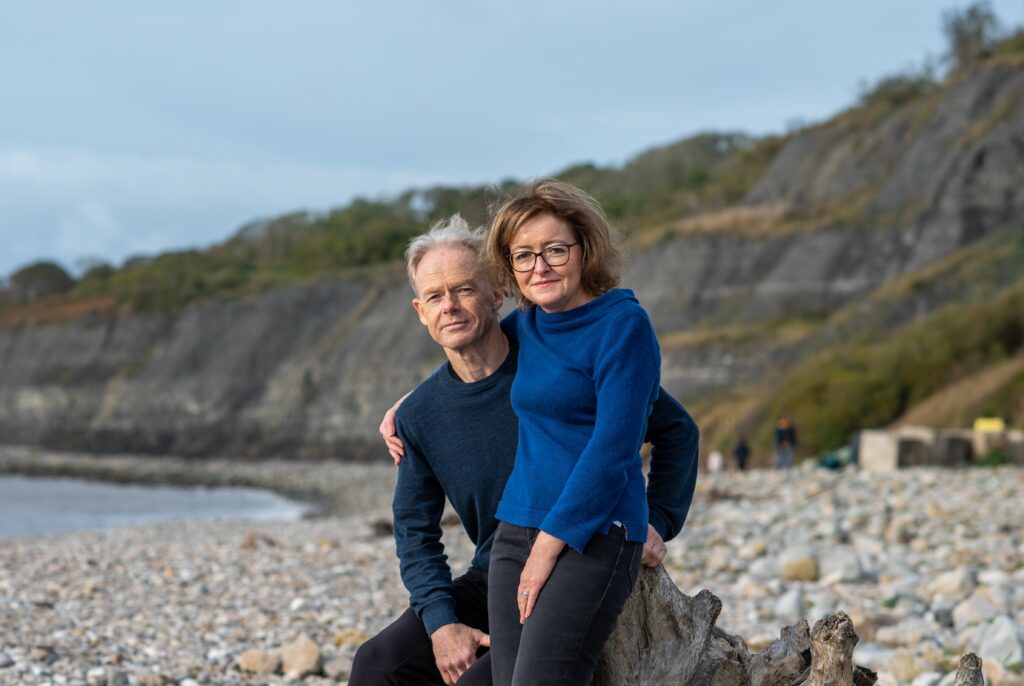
[601,247]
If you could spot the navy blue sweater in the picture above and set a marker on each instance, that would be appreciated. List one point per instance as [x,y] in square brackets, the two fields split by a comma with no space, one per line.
[586,383]
[460,440]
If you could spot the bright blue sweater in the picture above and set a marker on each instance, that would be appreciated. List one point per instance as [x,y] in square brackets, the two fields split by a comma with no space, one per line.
[587,380]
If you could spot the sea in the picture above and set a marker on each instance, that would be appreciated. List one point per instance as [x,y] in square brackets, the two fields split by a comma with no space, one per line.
[33,506]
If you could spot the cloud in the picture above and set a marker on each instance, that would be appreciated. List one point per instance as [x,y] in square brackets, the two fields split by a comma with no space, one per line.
[98,204]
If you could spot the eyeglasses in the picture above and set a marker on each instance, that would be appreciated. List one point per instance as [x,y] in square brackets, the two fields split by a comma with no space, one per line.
[554,256]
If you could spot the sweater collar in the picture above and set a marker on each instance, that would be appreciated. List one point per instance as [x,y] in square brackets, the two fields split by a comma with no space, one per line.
[584,314]
[508,367]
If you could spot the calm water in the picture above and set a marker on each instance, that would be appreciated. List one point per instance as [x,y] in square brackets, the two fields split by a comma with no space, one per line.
[31,506]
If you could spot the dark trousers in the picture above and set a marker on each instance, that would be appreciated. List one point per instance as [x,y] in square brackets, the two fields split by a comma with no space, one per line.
[575,613]
[402,655]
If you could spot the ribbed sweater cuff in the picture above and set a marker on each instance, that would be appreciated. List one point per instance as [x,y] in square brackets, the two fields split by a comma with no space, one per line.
[660,523]
[437,614]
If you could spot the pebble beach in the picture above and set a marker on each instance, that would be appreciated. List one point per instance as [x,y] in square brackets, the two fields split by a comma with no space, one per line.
[928,563]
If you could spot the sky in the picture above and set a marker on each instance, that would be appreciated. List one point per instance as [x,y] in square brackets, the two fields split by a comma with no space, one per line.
[131,128]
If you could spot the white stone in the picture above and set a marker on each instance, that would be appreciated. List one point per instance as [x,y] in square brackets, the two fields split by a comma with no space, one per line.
[974,610]
[926,679]
[871,655]
[840,564]
[764,568]
[994,577]
[790,606]
[1001,641]
[799,563]
[955,585]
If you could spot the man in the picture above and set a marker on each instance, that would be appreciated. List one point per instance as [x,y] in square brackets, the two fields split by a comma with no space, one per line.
[459,435]
[785,443]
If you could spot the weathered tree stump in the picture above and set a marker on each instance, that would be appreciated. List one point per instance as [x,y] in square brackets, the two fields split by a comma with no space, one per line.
[666,638]
[968,671]
[862,676]
[832,642]
[787,659]
[662,636]
[726,662]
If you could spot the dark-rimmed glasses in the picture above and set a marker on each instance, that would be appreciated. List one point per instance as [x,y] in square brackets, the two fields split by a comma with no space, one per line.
[554,256]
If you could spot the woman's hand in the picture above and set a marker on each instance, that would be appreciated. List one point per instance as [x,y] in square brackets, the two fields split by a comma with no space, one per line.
[535,574]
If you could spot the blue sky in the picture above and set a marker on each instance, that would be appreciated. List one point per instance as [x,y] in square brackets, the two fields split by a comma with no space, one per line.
[130,128]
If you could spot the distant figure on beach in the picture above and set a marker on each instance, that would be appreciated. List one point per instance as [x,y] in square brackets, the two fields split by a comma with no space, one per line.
[741,453]
[716,462]
[457,438]
[785,443]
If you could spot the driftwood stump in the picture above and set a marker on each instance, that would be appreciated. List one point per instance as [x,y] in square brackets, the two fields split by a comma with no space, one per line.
[968,671]
[786,660]
[832,642]
[662,636]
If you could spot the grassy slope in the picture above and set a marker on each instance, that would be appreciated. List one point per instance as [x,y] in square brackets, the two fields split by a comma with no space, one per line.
[963,360]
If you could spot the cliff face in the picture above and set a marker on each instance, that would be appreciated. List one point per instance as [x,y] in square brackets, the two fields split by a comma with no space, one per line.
[852,205]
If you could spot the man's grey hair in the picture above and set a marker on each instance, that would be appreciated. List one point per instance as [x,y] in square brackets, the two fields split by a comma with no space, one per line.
[453,232]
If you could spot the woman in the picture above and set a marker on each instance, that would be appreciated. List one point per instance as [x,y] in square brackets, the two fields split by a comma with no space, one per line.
[574,513]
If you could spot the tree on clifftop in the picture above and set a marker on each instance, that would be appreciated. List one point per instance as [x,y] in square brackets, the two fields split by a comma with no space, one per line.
[972,33]
[39,280]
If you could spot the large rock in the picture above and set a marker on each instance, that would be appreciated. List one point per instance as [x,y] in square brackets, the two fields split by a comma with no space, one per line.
[799,564]
[790,606]
[954,585]
[841,564]
[259,662]
[975,610]
[1001,641]
[300,658]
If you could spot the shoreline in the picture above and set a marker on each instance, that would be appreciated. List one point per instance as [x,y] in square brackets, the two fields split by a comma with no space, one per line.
[331,488]
[924,561]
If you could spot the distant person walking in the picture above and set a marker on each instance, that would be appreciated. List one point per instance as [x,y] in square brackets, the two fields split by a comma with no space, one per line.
[785,443]
[741,453]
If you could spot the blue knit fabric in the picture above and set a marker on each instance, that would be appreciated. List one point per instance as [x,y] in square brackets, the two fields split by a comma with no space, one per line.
[587,380]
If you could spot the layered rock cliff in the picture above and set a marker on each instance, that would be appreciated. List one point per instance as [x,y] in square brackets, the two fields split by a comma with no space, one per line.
[846,209]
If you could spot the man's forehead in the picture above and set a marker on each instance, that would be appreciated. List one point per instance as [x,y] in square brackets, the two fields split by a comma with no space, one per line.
[447,264]
[448,259]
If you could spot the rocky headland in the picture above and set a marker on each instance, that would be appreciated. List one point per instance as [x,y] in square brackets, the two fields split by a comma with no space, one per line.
[928,564]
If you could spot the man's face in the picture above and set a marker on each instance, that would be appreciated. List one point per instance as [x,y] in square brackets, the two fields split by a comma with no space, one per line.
[456,302]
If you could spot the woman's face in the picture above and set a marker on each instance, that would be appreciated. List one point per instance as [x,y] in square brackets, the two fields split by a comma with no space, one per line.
[553,289]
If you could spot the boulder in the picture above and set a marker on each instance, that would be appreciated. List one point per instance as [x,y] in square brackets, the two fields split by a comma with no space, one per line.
[300,658]
[1001,642]
[799,564]
[259,662]
[955,585]
[790,606]
[841,564]
[975,610]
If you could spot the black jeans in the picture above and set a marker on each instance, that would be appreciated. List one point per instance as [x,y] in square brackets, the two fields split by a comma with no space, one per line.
[402,655]
[575,612]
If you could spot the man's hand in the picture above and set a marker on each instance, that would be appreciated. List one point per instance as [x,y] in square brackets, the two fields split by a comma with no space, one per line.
[389,432]
[455,647]
[654,548]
